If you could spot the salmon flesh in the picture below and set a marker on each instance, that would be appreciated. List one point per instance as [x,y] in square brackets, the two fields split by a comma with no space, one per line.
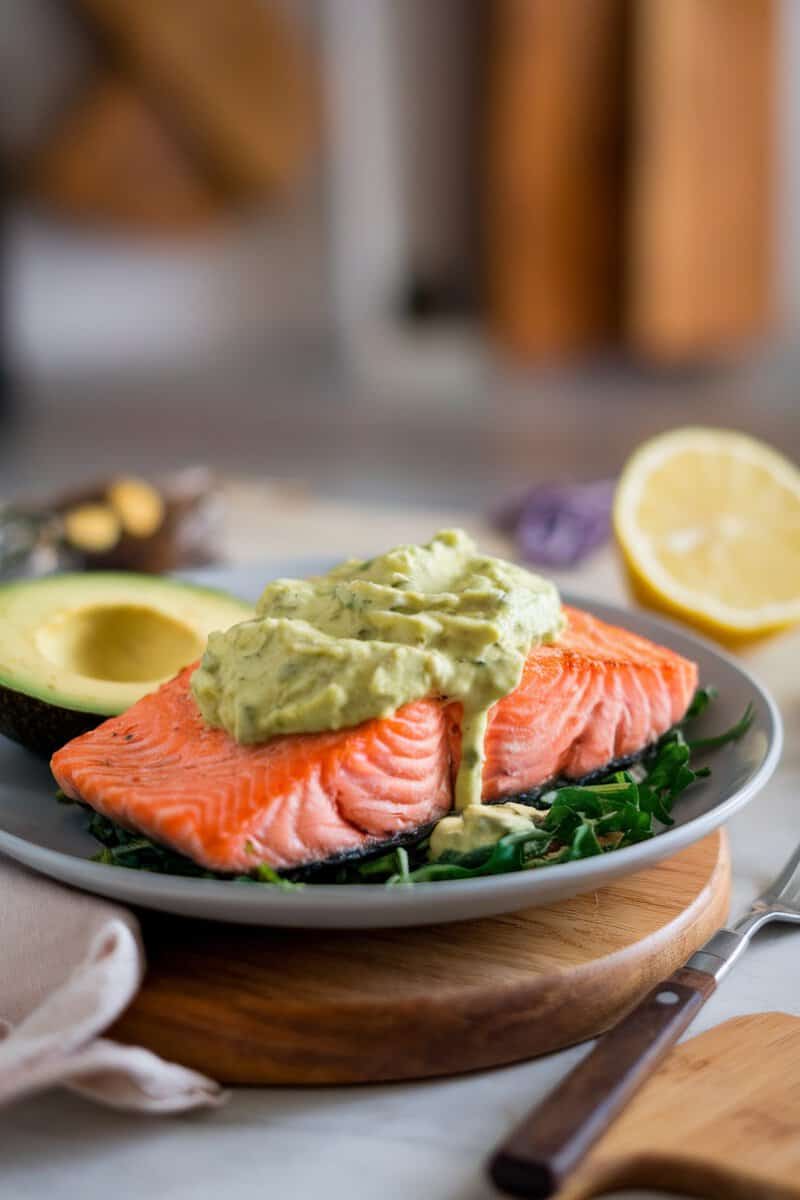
[598,696]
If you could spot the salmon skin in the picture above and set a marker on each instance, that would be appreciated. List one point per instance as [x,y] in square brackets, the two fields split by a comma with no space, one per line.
[598,696]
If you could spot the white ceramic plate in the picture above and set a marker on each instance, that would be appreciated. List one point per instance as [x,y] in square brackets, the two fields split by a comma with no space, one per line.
[51,837]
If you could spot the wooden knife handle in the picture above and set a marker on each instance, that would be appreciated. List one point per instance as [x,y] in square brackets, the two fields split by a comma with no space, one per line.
[551,1141]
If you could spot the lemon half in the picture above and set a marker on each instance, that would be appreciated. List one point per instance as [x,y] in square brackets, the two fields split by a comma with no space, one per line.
[708,521]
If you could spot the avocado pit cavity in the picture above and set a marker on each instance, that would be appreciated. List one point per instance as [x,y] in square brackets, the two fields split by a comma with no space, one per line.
[121,643]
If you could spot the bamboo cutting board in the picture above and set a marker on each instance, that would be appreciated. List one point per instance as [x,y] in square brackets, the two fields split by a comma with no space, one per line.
[263,1006]
[112,162]
[720,1119]
[234,79]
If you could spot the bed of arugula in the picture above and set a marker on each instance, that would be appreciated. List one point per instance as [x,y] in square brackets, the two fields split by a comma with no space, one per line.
[577,821]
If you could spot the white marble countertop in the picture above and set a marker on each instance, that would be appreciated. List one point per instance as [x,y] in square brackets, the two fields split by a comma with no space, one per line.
[398,1141]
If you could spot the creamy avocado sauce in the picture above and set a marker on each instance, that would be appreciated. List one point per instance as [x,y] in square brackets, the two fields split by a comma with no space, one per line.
[481,825]
[332,651]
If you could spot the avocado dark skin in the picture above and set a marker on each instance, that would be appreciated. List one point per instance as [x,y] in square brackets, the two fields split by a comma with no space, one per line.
[41,727]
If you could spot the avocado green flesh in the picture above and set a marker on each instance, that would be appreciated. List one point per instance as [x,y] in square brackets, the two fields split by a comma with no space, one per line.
[360,642]
[77,648]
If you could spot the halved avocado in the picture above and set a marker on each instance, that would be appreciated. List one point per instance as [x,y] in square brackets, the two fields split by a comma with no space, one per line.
[77,648]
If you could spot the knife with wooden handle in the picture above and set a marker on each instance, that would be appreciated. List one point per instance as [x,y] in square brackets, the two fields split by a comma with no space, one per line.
[553,1139]
[547,1146]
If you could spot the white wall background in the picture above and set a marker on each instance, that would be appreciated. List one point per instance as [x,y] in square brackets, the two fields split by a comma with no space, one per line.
[82,300]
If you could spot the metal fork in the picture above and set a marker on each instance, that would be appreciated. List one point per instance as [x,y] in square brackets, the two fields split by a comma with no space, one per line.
[555,1136]
[780,902]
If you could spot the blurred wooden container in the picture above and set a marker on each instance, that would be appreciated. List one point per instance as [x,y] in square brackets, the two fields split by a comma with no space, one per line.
[630,154]
[701,211]
[555,123]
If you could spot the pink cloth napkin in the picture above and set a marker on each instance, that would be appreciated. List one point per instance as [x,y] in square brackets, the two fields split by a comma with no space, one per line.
[70,963]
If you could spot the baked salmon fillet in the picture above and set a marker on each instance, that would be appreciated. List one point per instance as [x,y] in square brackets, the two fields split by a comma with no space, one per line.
[600,695]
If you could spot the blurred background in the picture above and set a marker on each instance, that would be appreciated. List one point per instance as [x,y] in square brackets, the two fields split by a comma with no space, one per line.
[415,253]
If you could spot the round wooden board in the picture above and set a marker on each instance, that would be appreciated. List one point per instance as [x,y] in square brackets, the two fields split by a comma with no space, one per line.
[287,1006]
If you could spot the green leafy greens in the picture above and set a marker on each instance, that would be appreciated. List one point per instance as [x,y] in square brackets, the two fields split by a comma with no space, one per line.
[124,849]
[577,821]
